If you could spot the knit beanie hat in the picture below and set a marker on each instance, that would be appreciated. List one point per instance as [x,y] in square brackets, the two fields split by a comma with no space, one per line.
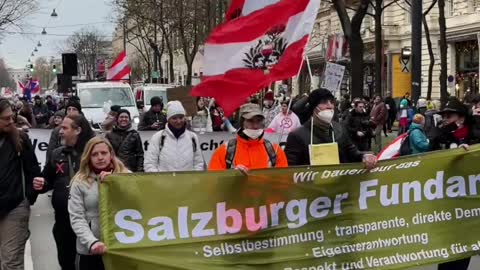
[403,103]
[119,112]
[75,104]
[156,101]
[422,103]
[175,108]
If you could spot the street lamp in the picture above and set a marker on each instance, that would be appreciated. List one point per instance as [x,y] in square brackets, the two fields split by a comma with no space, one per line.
[44,32]
[32,55]
[36,50]
[39,44]
[29,60]
[54,14]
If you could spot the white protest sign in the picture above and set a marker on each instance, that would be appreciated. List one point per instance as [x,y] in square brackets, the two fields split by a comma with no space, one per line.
[209,142]
[333,77]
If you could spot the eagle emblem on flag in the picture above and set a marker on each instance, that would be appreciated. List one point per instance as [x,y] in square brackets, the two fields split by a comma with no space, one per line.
[268,50]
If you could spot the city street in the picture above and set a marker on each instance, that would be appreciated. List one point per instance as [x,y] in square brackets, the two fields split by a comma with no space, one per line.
[43,251]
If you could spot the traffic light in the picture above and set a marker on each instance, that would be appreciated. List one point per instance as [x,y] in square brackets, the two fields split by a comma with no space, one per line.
[54,69]
[31,68]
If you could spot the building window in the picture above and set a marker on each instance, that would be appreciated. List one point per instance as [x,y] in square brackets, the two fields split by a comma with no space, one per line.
[449,7]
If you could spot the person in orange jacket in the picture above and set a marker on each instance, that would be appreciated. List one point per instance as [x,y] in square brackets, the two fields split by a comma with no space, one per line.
[249,150]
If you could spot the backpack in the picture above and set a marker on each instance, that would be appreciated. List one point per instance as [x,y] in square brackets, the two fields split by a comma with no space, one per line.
[405,147]
[162,143]
[232,149]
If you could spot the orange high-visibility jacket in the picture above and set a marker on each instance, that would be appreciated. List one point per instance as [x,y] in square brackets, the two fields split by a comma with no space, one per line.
[251,154]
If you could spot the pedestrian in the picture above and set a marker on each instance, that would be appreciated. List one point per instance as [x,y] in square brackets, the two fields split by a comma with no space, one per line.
[72,108]
[175,148]
[98,161]
[111,119]
[357,123]
[403,121]
[458,128]
[19,166]
[27,112]
[155,118]
[392,111]
[64,162]
[378,117]
[40,111]
[270,108]
[286,121]
[249,150]
[52,107]
[217,117]
[20,121]
[422,106]
[320,129]
[418,140]
[56,119]
[126,142]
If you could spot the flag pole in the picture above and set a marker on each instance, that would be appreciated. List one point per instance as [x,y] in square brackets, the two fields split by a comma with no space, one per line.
[291,98]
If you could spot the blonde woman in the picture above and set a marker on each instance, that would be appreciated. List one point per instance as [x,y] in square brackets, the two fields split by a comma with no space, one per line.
[98,160]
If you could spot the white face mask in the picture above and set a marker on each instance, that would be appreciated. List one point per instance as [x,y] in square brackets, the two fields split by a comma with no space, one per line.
[253,133]
[326,116]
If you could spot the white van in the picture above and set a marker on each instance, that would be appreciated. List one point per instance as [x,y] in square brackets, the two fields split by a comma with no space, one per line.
[96,99]
[144,93]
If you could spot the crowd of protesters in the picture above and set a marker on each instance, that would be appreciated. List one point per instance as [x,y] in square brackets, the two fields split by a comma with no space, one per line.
[78,159]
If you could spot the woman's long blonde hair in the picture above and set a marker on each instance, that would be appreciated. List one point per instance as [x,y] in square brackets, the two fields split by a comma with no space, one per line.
[83,174]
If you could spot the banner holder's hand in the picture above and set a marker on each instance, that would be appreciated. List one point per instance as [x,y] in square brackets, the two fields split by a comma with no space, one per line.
[370,161]
[243,169]
[103,175]
[38,183]
[466,147]
[98,248]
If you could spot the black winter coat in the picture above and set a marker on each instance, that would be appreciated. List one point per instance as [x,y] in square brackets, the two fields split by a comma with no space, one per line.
[298,141]
[357,122]
[150,117]
[11,187]
[64,163]
[441,138]
[128,148]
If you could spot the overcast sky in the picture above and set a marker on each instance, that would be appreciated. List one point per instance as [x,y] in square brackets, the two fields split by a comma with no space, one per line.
[16,48]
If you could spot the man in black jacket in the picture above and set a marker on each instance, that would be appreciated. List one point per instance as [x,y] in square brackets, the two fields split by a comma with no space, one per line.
[155,118]
[126,142]
[321,107]
[358,126]
[64,162]
[40,111]
[18,167]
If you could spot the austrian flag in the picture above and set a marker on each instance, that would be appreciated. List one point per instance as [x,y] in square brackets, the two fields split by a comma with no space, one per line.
[262,41]
[119,69]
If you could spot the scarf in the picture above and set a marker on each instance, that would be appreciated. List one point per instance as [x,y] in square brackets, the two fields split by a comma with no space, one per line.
[461,133]
[177,132]
[98,171]
[129,126]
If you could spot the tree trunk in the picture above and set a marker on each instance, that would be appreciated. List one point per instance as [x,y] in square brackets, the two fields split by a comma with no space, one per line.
[443,52]
[188,80]
[432,58]
[378,47]
[356,57]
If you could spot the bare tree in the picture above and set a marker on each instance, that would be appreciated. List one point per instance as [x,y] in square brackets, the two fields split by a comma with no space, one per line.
[5,78]
[43,72]
[351,29]
[13,12]
[89,46]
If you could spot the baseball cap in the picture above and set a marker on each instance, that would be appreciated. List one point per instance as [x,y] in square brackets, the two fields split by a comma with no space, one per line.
[250,110]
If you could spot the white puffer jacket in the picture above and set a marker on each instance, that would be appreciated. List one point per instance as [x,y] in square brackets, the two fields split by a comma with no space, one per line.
[175,155]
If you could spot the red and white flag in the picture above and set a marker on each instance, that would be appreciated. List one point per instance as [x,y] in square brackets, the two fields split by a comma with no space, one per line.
[262,41]
[392,151]
[119,69]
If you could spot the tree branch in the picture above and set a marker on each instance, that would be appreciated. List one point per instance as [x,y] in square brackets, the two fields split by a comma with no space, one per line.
[389,4]
[434,2]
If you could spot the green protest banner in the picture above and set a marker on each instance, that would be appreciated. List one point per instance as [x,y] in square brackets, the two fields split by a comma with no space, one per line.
[411,211]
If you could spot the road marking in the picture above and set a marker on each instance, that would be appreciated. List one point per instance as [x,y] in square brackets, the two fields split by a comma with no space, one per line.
[28,256]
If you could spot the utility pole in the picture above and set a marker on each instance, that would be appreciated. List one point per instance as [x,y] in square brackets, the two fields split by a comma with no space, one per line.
[417,15]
